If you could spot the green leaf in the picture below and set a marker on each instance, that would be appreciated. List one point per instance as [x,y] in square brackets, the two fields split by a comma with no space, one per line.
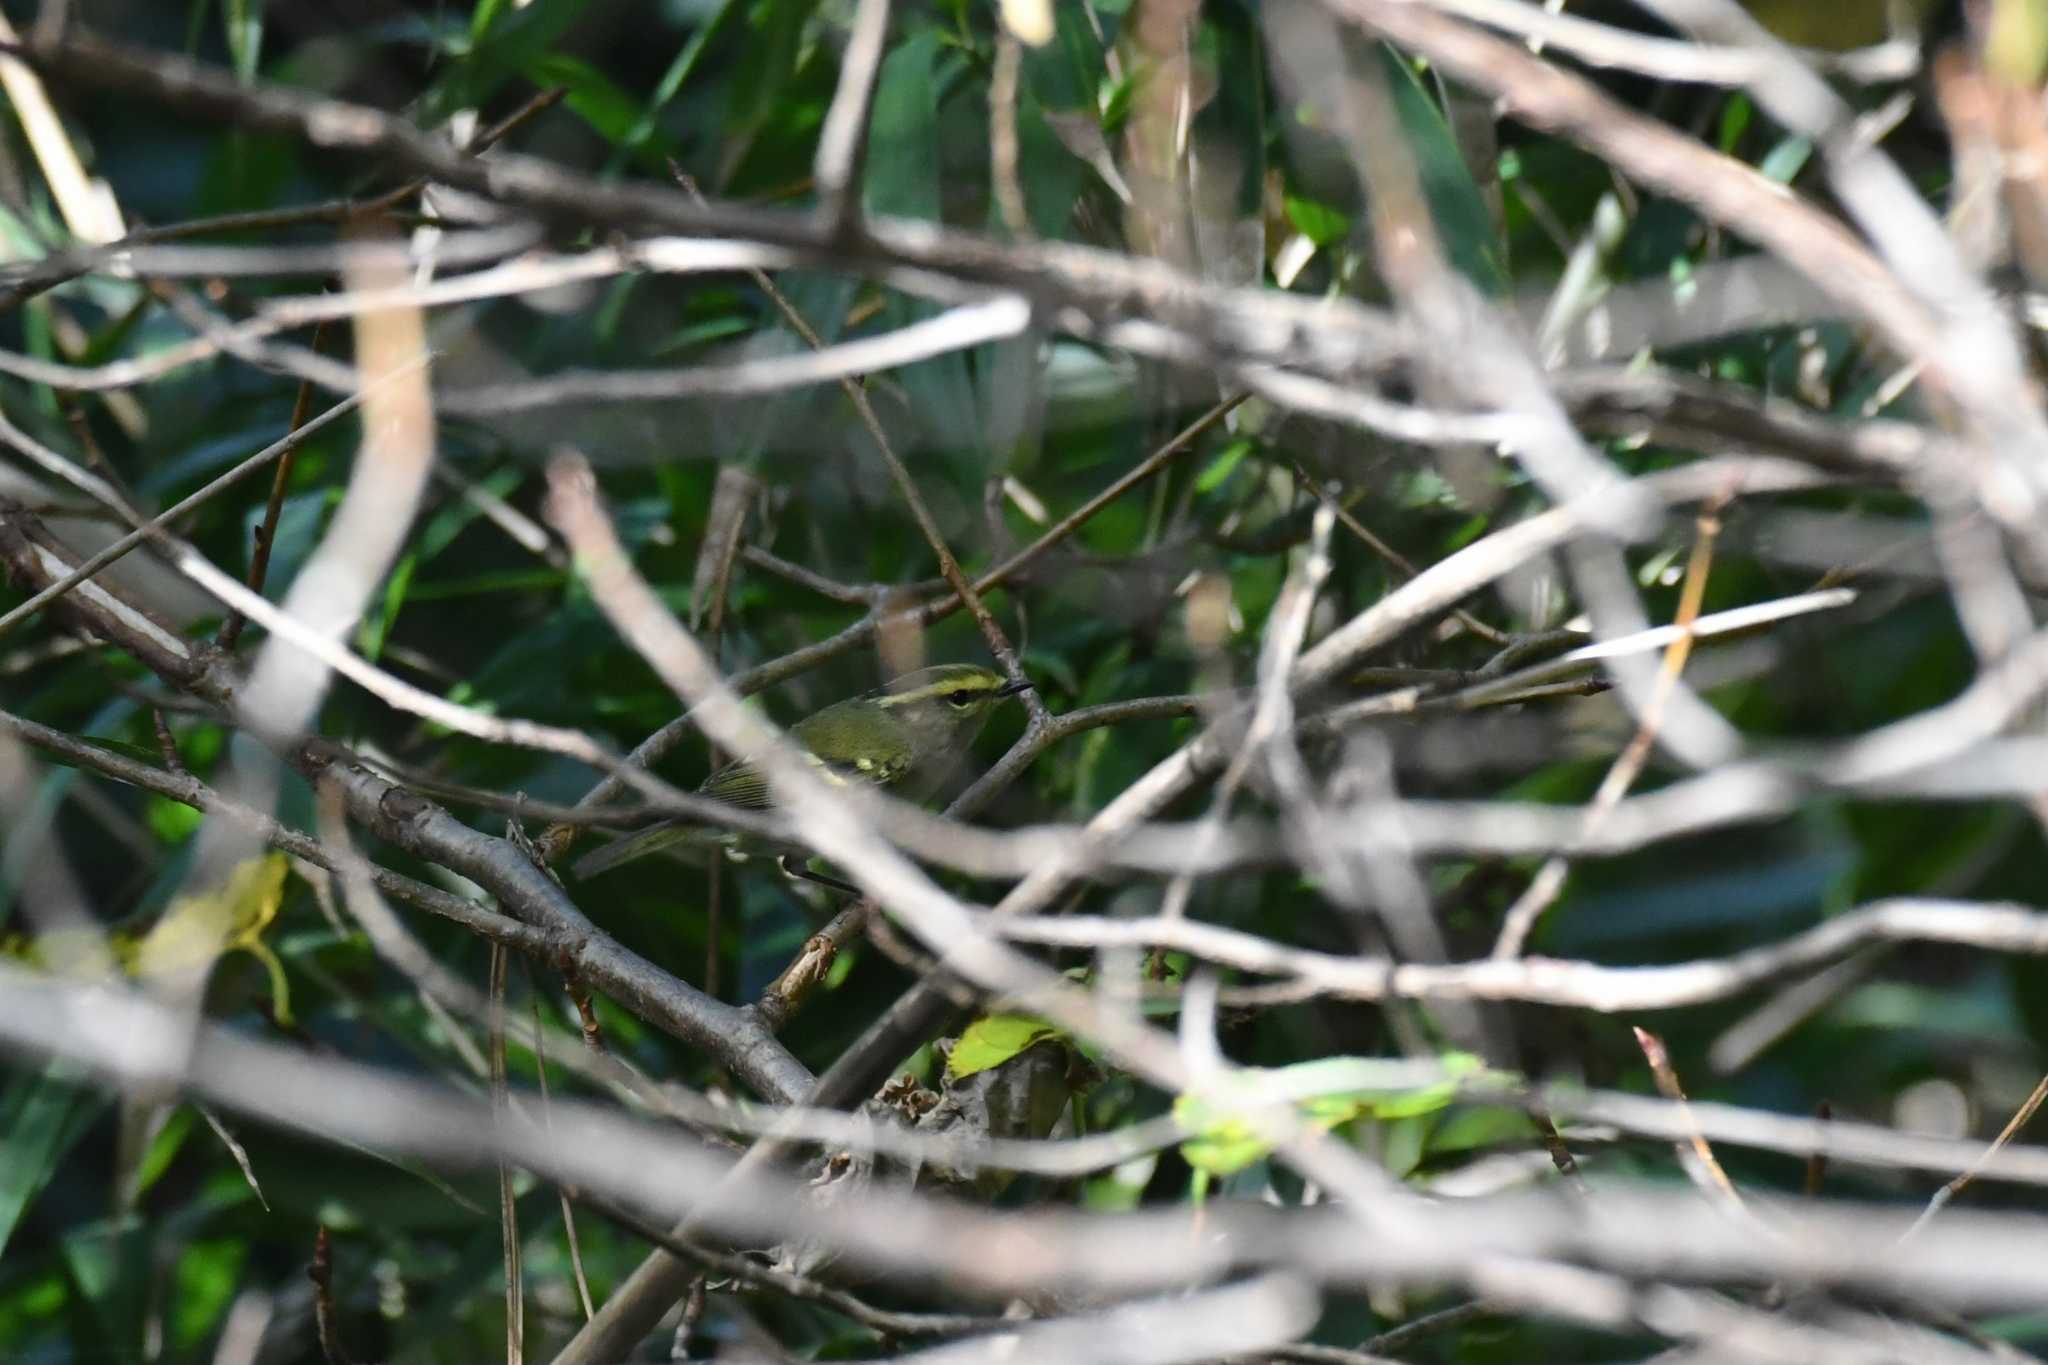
[1115,101]
[592,97]
[106,1274]
[450,521]
[698,333]
[905,158]
[164,1148]
[903,137]
[243,21]
[498,48]
[207,1277]
[995,1038]
[1481,1125]
[480,19]
[1225,1135]
[1402,1143]
[173,822]
[1402,1104]
[1784,161]
[678,71]
[1052,174]
[1319,223]
[41,1118]
[376,627]
[1225,1147]
[1220,468]
[1455,204]
[1735,115]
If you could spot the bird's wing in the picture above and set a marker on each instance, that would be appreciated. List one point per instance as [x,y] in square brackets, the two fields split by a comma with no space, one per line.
[669,834]
[738,783]
[855,742]
[841,748]
[742,784]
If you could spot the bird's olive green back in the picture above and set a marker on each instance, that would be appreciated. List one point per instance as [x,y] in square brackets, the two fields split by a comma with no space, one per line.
[915,722]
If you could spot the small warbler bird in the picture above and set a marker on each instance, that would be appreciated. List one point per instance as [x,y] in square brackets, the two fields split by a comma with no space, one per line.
[909,736]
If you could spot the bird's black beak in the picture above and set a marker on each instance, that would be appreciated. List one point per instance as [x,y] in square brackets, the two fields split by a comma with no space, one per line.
[1011,689]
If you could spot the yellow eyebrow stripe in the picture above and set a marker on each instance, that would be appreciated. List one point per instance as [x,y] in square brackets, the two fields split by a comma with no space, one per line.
[940,689]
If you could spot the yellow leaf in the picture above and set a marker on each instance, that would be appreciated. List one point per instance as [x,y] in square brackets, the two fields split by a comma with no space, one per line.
[993,1039]
[199,928]
[188,937]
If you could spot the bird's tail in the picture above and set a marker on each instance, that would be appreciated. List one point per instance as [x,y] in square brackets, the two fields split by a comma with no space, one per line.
[654,839]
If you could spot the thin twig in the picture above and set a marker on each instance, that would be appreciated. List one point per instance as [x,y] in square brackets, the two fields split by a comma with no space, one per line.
[239,1153]
[184,788]
[1703,1166]
[1560,1154]
[1520,920]
[151,528]
[1962,1181]
[1817,1164]
[540,1073]
[1387,552]
[1002,136]
[1552,981]
[52,271]
[656,745]
[411,822]
[876,12]
[749,1271]
[322,1275]
[508,1204]
[806,971]
[1672,59]
[166,744]
[1969,1259]
[833,827]
[273,507]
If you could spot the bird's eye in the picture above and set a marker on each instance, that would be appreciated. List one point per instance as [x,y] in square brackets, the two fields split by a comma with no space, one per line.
[960,701]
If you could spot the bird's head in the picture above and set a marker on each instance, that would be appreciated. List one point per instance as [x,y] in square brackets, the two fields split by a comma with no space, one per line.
[947,703]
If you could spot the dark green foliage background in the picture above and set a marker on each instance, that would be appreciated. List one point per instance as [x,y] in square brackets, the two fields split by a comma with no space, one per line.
[735,91]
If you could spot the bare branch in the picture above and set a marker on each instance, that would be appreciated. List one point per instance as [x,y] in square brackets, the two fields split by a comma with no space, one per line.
[298,434]
[1967,1259]
[1551,981]
[1672,59]
[843,141]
